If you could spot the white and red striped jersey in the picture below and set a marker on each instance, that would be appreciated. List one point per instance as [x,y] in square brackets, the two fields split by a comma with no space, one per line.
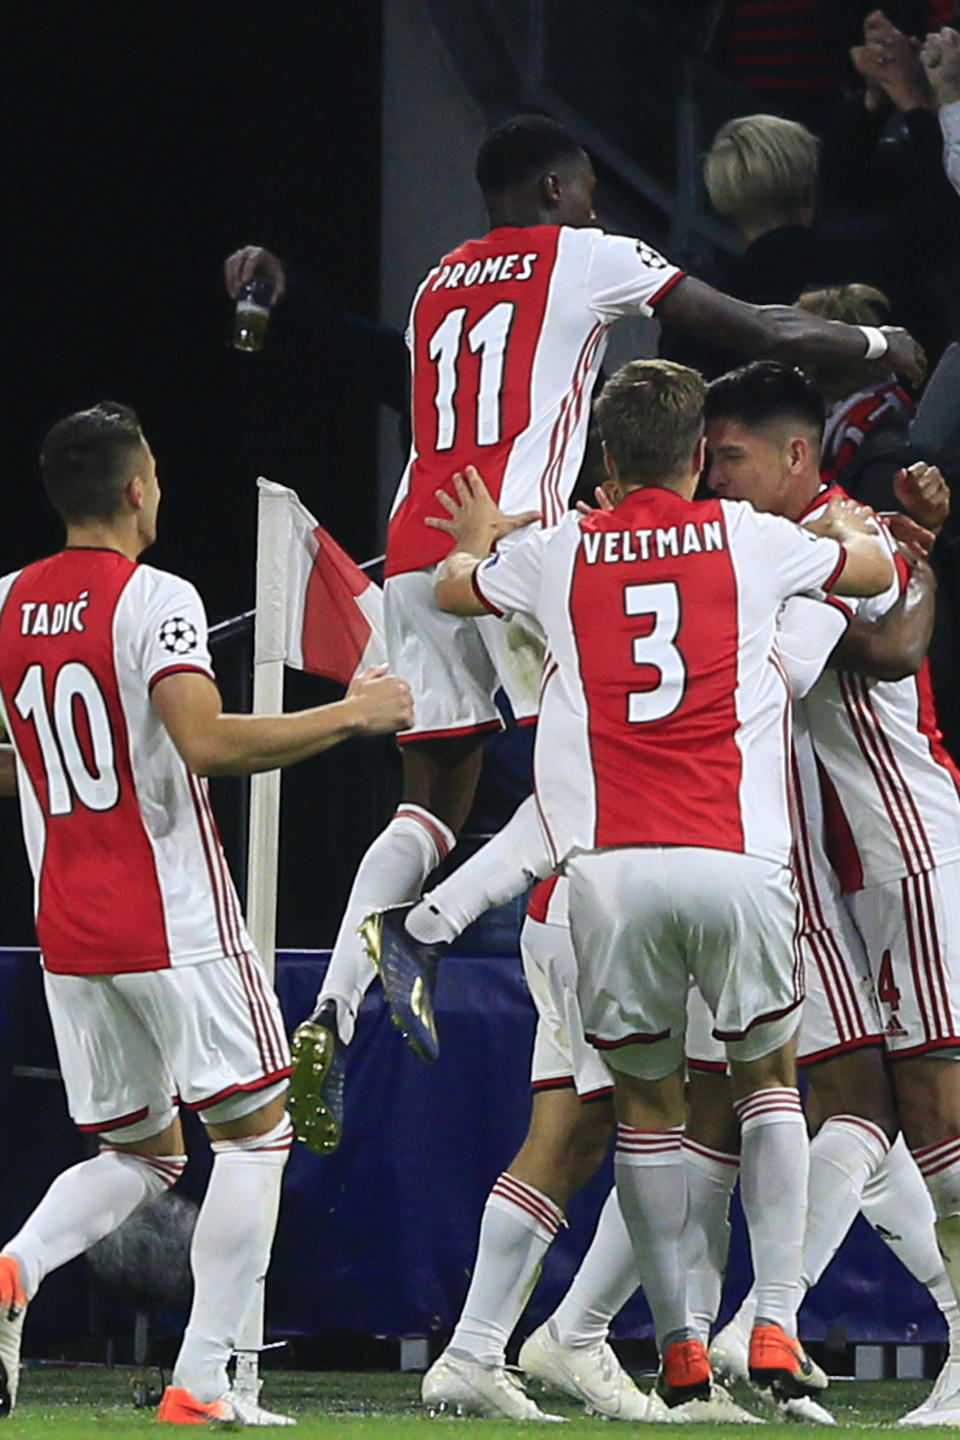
[892,793]
[129,873]
[665,711]
[506,335]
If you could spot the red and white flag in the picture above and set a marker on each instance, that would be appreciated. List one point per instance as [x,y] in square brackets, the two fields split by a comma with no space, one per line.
[321,612]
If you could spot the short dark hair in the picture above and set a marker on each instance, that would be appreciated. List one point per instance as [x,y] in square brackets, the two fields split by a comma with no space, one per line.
[87,459]
[523,149]
[650,415]
[765,393]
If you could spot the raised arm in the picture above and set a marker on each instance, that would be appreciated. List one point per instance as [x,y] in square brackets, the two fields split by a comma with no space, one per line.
[781,332]
[212,743]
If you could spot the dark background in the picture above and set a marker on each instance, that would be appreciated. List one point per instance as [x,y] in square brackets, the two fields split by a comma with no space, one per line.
[142,143]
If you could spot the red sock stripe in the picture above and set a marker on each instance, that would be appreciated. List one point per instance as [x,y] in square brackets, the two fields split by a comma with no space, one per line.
[763,1103]
[932,1159]
[720,1157]
[647,1144]
[863,1124]
[526,1198]
[439,834]
[168,1167]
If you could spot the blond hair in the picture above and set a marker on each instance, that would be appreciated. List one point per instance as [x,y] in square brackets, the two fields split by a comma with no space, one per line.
[650,415]
[854,305]
[761,171]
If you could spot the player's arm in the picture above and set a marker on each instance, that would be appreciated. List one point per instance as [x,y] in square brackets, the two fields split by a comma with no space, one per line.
[868,566]
[475,522]
[213,743]
[782,332]
[894,645]
[8,770]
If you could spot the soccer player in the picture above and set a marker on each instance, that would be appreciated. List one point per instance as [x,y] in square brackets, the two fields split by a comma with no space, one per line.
[152,982]
[893,807]
[506,336]
[661,778]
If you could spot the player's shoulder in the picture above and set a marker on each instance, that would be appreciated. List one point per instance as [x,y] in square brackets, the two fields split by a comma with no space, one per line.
[149,582]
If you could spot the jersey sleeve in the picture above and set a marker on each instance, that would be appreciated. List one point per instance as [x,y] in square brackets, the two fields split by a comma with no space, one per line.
[509,580]
[627,277]
[799,561]
[808,632]
[173,631]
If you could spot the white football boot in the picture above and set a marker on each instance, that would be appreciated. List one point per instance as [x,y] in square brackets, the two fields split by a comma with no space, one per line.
[589,1373]
[466,1387]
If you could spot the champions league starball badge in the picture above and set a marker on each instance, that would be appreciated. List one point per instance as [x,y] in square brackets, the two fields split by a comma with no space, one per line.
[178,635]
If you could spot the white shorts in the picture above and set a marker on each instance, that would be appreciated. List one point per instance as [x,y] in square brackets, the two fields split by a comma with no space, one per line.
[911,930]
[645,921]
[131,1046]
[455,664]
[561,1054]
[839,1010]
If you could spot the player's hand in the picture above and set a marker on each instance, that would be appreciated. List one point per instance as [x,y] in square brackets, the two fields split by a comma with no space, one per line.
[842,519]
[382,702]
[473,517]
[603,502]
[243,265]
[940,56]
[913,539]
[903,355]
[924,495]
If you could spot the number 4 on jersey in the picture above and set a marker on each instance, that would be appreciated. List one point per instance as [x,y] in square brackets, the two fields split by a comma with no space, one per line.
[887,991]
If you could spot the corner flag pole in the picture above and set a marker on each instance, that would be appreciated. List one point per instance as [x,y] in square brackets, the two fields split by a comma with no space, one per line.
[269,634]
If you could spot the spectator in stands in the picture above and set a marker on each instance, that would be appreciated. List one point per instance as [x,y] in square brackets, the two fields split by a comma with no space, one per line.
[793,53]
[762,174]
[941,62]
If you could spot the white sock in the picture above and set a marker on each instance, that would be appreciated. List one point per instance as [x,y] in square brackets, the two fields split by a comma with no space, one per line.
[230,1253]
[897,1204]
[652,1186]
[607,1277]
[711,1176]
[518,1227]
[392,871]
[774,1166]
[844,1154]
[500,870]
[84,1204]
[940,1167]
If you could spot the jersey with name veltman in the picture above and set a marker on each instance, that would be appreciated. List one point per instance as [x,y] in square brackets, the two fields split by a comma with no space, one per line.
[129,873]
[664,713]
[506,335]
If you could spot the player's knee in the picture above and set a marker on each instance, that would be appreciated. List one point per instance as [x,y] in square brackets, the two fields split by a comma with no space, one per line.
[711,1119]
[928,1099]
[245,1115]
[855,1084]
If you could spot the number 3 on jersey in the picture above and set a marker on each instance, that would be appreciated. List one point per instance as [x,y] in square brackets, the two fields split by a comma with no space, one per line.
[486,338]
[656,649]
[66,769]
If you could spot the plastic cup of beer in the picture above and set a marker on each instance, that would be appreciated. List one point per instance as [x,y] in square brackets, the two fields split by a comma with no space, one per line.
[252,315]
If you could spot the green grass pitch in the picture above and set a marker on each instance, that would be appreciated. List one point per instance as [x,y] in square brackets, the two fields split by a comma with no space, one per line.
[96,1404]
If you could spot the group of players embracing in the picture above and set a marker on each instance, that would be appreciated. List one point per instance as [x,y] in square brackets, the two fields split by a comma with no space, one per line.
[726,690]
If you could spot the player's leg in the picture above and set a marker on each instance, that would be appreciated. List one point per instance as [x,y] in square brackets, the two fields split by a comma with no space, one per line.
[499,871]
[117,1086]
[570,1351]
[564,1145]
[711,1154]
[912,932]
[219,1027]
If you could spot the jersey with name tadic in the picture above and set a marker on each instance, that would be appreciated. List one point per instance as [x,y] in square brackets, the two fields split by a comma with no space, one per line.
[506,336]
[893,792]
[664,714]
[129,873]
